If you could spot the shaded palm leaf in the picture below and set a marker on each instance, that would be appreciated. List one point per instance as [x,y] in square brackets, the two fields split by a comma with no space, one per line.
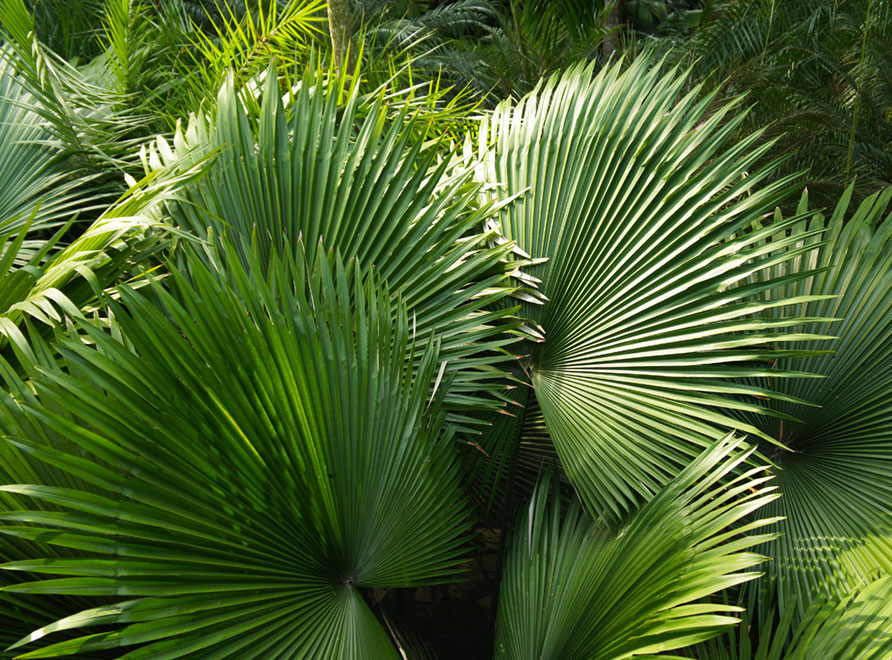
[259,463]
[837,482]
[21,613]
[572,590]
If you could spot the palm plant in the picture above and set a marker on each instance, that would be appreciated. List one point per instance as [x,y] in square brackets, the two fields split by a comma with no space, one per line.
[352,341]
[375,195]
[645,335]
[835,481]
[814,69]
[61,242]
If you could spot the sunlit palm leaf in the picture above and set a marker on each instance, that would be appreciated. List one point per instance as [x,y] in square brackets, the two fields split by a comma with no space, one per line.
[572,590]
[58,283]
[245,38]
[259,464]
[855,627]
[635,200]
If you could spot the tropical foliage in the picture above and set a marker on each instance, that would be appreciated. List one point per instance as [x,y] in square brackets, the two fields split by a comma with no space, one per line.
[500,335]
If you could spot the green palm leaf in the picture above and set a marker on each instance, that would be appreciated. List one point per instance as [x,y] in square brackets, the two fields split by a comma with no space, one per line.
[572,590]
[837,482]
[56,283]
[254,464]
[321,172]
[633,197]
[33,181]
[855,627]
[89,123]
[20,614]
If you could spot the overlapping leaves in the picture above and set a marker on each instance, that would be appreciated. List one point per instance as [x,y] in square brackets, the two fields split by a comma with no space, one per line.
[340,178]
[36,189]
[634,197]
[252,466]
[853,627]
[572,590]
[837,480]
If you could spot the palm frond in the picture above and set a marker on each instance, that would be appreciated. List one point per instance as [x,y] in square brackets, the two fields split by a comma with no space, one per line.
[854,627]
[573,590]
[36,187]
[629,193]
[85,119]
[259,463]
[59,283]
[245,39]
[316,171]
[837,482]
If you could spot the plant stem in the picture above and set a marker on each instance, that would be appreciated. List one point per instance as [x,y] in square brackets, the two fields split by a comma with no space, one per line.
[340,27]
[858,91]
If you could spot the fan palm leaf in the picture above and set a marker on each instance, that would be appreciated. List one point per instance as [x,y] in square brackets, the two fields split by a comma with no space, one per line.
[20,614]
[837,482]
[628,191]
[574,590]
[258,464]
[319,172]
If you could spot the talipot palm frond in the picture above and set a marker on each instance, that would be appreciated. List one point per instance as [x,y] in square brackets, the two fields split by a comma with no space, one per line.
[633,199]
[513,455]
[572,590]
[314,170]
[854,627]
[258,464]
[837,480]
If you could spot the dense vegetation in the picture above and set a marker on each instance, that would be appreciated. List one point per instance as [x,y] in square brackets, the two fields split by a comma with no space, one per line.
[459,329]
